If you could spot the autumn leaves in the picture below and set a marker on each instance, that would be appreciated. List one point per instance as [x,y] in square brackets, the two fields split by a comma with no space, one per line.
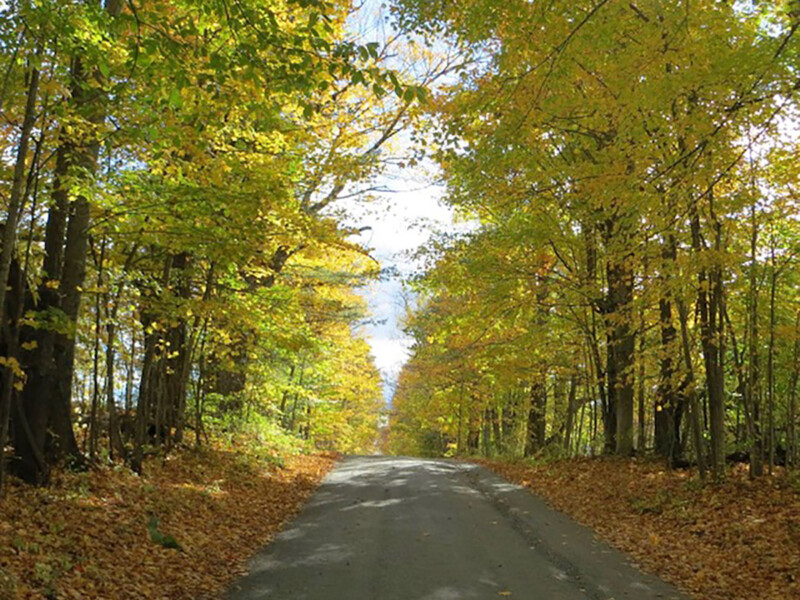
[629,284]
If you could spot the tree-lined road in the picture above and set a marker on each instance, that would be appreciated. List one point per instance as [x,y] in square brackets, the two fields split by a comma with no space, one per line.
[384,528]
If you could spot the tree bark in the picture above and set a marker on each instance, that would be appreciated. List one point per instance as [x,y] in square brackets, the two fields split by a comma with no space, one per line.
[620,344]
[771,359]
[9,242]
[48,392]
[752,391]
[669,407]
[537,411]
[709,299]
[791,426]
[571,409]
[641,441]
[691,391]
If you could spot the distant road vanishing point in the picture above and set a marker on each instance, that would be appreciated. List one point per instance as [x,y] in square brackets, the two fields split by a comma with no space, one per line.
[390,528]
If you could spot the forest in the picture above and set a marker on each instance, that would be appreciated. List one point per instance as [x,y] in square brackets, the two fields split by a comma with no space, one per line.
[180,287]
[630,282]
[185,292]
[173,259]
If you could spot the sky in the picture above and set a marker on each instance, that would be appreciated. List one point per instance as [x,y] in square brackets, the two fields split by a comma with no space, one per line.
[400,222]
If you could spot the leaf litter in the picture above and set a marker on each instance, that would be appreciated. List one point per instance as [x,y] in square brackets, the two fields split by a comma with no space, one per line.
[182,531]
[738,540]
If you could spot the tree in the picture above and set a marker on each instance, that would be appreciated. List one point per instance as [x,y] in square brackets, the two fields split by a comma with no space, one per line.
[617,140]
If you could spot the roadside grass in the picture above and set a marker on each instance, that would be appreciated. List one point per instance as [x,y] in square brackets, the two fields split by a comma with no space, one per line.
[739,540]
[181,531]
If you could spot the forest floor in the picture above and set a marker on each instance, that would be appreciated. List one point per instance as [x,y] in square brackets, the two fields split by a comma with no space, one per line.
[91,535]
[737,540]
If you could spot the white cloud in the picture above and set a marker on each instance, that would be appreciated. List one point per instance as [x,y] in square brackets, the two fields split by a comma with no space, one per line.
[400,222]
[390,354]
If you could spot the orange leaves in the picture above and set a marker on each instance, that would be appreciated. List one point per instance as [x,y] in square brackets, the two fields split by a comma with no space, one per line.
[87,536]
[739,540]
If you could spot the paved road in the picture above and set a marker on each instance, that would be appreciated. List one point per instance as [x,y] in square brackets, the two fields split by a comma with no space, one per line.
[385,528]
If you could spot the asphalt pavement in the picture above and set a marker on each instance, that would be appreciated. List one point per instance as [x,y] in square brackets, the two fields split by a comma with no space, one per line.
[393,528]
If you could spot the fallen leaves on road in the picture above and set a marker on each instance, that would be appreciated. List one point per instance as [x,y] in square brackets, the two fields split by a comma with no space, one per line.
[739,540]
[91,535]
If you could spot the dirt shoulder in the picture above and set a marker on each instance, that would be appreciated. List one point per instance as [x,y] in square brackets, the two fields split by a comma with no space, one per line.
[739,540]
[94,535]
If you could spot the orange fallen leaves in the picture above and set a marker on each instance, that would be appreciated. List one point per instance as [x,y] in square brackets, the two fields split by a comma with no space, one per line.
[736,541]
[86,537]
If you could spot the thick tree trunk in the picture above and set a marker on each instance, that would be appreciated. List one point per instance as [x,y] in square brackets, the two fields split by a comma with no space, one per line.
[509,423]
[178,359]
[668,407]
[474,427]
[494,417]
[620,350]
[9,242]
[47,397]
[150,404]
[486,432]
[537,412]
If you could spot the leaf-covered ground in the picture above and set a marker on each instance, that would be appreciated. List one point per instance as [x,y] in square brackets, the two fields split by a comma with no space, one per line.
[739,540]
[87,536]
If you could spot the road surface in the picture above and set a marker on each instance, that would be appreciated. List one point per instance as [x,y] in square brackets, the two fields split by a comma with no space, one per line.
[389,528]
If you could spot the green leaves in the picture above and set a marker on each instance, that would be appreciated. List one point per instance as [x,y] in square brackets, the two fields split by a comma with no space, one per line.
[167,541]
[415,93]
[577,141]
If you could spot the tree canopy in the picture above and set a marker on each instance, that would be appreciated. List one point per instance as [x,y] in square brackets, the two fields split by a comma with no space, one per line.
[172,253]
[630,282]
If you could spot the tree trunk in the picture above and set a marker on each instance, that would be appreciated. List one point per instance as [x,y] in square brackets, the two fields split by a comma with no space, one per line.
[571,409]
[620,349]
[48,392]
[709,298]
[509,422]
[579,437]
[115,445]
[641,441]
[668,408]
[752,390]
[494,417]
[486,432]
[771,359]
[142,403]
[536,416]
[178,359]
[791,425]
[691,391]
[93,424]
[131,367]
[9,242]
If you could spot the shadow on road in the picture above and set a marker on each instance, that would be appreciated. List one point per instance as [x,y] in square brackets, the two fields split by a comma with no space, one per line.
[393,528]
